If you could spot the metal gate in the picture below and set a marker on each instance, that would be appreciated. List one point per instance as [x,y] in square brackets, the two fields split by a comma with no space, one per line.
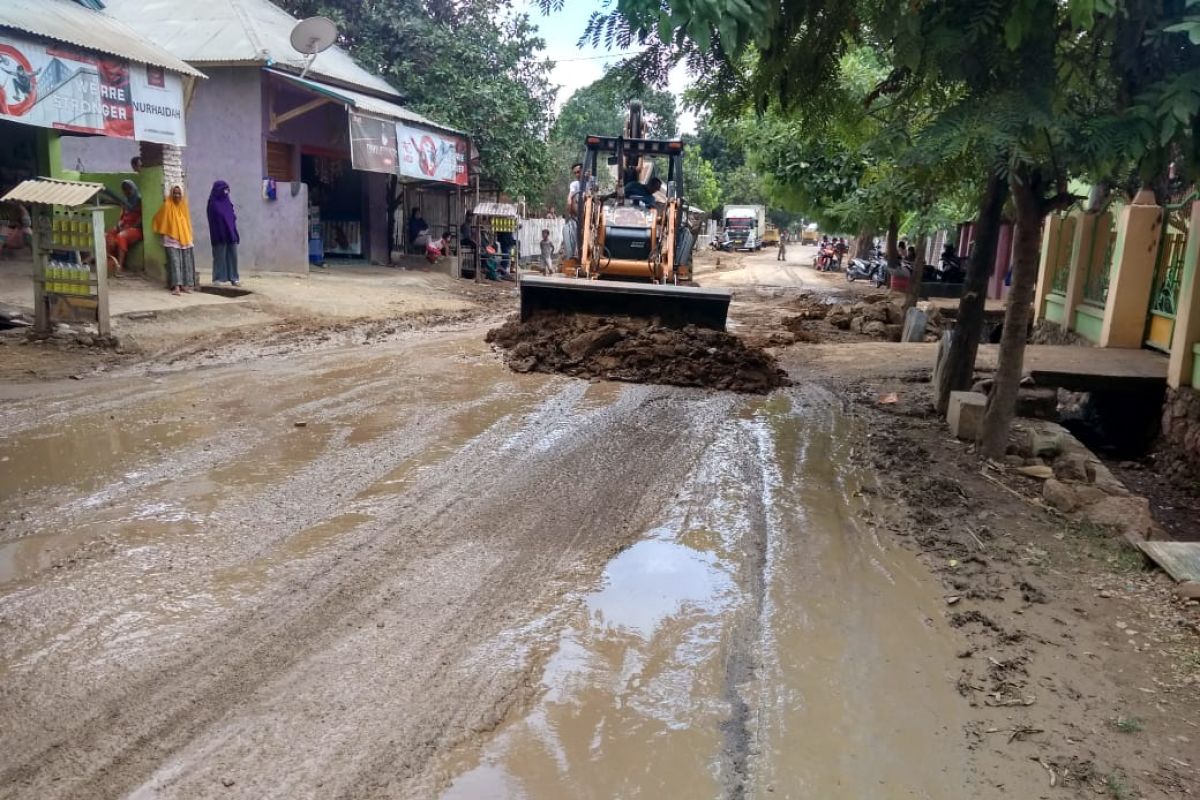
[1168,274]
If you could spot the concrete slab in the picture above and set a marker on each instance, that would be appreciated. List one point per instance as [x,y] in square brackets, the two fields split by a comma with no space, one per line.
[1180,560]
[965,414]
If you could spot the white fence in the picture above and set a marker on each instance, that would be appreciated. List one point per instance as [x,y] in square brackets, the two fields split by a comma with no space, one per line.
[529,236]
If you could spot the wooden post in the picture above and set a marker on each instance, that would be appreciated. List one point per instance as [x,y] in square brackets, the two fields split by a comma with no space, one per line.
[458,249]
[100,253]
[41,314]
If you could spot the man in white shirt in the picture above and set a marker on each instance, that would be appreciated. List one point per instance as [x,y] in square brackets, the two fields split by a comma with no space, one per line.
[575,190]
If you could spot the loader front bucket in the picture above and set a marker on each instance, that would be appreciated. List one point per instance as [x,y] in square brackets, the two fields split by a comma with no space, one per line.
[675,306]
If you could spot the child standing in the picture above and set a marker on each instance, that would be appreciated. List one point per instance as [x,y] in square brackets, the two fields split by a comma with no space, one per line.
[547,253]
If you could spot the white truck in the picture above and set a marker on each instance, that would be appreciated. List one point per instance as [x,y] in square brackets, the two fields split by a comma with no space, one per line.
[746,226]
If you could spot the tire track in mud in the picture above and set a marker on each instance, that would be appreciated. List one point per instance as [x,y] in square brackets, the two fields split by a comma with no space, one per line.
[185,703]
[742,662]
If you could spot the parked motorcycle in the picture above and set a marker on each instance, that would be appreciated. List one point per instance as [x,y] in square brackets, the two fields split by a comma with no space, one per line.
[721,245]
[948,270]
[871,269]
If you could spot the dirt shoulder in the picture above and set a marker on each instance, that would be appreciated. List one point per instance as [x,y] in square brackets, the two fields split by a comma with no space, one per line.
[1082,674]
[1083,664]
[280,314]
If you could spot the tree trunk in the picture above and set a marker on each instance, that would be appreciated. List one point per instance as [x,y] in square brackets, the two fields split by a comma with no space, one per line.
[864,242]
[893,236]
[959,366]
[1002,403]
[918,271]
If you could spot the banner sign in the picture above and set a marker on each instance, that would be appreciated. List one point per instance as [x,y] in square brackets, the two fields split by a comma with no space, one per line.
[373,144]
[430,156]
[54,86]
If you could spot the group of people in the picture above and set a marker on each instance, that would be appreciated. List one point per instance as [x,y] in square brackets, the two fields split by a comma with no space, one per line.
[836,248]
[173,222]
[497,256]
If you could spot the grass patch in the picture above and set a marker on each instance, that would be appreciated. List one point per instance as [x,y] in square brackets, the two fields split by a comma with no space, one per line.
[1117,787]
[1106,545]
[1127,724]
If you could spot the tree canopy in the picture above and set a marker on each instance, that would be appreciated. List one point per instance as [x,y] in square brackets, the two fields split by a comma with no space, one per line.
[873,110]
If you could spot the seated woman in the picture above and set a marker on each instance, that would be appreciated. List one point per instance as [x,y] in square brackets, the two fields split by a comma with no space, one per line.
[437,248]
[128,231]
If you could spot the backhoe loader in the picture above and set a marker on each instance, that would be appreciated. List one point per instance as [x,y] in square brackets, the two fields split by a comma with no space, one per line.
[629,247]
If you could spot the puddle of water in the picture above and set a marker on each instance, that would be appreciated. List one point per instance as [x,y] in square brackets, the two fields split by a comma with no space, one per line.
[765,587]
[855,692]
[274,458]
[629,705]
[84,452]
[32,554]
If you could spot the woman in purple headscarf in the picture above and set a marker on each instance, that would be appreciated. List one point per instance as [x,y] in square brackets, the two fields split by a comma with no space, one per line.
[222,229]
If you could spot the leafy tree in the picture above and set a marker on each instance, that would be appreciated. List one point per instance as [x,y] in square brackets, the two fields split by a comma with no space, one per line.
[701,187]
[471,64]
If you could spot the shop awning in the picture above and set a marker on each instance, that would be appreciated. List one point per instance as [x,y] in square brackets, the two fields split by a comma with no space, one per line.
[496,210]
[363,103]
[48,191]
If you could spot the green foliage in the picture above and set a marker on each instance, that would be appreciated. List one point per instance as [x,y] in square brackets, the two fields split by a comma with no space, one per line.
[701,187]
[1128,724]
[470,64]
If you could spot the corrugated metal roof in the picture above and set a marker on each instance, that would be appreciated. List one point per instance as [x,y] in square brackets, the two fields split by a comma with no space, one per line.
[67,21]
[237,32]
[363,102]
[53,192]
[496,210]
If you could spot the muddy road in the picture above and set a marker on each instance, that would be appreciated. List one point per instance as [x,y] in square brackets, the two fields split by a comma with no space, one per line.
[400,570]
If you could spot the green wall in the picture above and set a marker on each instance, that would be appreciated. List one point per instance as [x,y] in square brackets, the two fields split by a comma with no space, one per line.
[1088,322]
[1056,309]
[149,257]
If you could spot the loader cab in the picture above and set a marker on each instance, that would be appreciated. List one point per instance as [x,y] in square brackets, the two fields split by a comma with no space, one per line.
[611,160]
[628,238]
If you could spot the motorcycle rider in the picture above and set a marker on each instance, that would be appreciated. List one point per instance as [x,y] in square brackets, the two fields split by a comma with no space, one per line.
[822,253]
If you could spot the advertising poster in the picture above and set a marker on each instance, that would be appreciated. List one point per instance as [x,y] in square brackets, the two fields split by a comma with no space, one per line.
[430,156]
[157,104]
[373,144]
[53,86]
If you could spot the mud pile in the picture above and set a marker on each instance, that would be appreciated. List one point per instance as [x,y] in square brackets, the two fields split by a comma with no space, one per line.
[637,351]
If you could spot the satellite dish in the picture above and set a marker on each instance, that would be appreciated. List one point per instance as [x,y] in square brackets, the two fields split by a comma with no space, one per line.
[312,36]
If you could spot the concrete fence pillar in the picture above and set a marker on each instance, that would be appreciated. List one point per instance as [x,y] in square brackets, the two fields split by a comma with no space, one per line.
[1047,263]
[1083,257]
[1132,279]
[1182,367]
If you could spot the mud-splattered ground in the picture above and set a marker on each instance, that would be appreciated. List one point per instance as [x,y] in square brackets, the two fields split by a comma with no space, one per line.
[395,568]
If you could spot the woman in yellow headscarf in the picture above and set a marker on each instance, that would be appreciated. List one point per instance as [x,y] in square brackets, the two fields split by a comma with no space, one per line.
[174,223]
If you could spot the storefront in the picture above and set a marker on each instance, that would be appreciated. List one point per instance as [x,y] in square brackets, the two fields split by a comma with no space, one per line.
[70,72]
[354,152]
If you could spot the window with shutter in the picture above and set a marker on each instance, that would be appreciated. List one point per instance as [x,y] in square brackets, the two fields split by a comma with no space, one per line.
[279,161]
